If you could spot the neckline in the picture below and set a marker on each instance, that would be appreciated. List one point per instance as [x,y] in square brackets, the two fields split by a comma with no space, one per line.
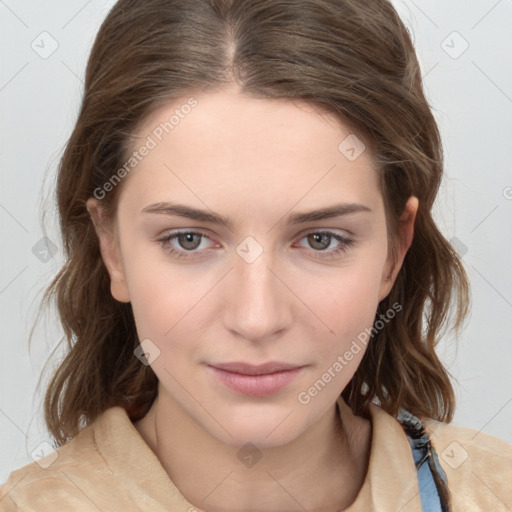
[390,482]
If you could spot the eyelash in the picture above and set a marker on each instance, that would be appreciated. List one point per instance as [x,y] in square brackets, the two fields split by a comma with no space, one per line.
[345,243]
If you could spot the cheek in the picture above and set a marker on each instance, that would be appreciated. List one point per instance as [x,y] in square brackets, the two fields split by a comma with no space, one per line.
[345,301]
[163,309]
[161,294]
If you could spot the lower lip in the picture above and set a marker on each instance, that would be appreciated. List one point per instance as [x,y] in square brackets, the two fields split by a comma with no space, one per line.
[256,385]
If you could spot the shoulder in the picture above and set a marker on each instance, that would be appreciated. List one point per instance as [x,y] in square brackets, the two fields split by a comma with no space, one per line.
[71,476]
[478,466]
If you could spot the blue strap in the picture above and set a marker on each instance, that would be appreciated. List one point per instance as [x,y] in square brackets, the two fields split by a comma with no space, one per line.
[425,458]
[430,501]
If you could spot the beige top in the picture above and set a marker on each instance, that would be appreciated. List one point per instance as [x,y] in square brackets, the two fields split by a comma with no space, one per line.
[109,467]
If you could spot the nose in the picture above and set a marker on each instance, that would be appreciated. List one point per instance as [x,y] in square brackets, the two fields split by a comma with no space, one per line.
[258,303]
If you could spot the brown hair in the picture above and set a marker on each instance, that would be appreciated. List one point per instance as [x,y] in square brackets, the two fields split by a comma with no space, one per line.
[353,58]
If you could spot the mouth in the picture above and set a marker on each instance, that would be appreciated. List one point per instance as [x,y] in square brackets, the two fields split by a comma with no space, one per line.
[256,380]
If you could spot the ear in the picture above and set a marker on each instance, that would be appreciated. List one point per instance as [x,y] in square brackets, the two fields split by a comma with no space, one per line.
[110,251]
[405,236]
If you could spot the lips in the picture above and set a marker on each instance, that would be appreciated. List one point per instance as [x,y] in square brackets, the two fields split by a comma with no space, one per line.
[255,380]
[250,369]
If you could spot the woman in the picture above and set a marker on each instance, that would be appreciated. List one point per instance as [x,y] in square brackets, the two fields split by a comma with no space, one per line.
[255,285]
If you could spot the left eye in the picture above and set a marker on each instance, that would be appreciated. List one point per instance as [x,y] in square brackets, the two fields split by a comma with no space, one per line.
[319,241]
[322,240]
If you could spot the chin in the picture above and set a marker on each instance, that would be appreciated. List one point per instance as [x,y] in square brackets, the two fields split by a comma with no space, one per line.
[264,425]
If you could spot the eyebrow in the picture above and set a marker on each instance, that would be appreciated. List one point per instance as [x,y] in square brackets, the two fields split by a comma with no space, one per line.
[181,210]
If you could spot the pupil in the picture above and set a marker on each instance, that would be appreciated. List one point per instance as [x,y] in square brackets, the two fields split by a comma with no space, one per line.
[317,238]
[188,238]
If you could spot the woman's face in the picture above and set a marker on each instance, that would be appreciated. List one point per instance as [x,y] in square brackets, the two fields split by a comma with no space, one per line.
[270,284]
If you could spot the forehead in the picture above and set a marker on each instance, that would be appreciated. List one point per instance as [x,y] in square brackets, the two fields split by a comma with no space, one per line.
[225,141]
[235,120]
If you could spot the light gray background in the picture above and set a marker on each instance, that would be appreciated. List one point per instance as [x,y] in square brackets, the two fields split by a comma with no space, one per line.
[470,93]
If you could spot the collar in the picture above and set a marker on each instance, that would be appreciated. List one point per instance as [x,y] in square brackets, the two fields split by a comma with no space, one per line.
[390,483]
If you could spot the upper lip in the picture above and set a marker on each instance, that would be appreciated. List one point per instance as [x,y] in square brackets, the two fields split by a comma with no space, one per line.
[251,369]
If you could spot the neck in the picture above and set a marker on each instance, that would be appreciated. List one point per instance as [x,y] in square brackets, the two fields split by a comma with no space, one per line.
[304,474]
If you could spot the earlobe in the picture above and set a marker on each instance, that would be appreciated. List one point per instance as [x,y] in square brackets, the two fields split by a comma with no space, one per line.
[110,251]
[405,238]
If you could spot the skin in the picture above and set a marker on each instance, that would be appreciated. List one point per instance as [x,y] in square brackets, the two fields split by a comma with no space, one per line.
[255,161]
